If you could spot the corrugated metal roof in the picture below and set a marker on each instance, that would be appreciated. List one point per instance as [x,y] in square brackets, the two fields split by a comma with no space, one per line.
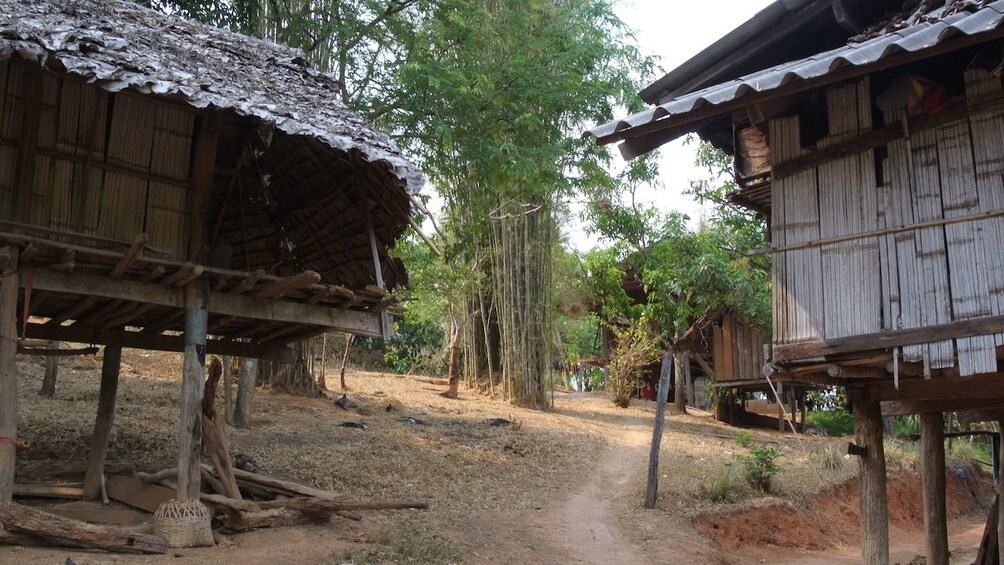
[927,34]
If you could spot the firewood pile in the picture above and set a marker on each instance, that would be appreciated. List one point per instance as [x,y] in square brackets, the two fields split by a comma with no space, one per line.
[239,496]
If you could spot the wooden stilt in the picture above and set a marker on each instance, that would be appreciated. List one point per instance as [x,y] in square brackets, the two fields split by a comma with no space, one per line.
[8,370]
[245,392]
[228,385]
[780,407]
[1000,508]
[872,476]
[48,389]
[94,476]
[932,472]
[192,386]
[665,377]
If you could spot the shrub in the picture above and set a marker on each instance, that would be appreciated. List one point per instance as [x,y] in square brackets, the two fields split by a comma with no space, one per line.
[761,465]
[834,422]
[743,439]
[831,459]
[723,488]
[636,348]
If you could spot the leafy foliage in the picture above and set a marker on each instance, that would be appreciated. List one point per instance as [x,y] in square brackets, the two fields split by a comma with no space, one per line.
[636,348]
[834,422]
[760,465]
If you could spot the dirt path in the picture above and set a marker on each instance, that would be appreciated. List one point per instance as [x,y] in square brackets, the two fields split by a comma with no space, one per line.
[584,525]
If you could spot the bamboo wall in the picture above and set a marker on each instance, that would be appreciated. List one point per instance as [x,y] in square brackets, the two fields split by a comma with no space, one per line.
[911,279]
[737,350]
[113,165]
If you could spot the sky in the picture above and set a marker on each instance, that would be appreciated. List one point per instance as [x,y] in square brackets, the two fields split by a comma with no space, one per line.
[674,31]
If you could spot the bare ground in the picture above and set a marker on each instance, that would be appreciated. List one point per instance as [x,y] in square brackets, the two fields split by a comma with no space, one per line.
[563,486]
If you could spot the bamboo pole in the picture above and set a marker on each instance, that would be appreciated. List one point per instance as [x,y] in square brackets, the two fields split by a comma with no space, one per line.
[94,477]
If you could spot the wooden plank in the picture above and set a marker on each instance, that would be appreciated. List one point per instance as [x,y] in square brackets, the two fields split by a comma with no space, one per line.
[136,493]
[888,339]
[718,359]
[932,473]
[727,371]
[912,407]
[226,304]
[24,490]
[97,513]
[935,388]
[154,342]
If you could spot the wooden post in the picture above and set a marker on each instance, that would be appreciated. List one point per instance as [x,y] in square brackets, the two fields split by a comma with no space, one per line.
[680,398]
[94,476]
[8,370]
[322,381]
[780,406]
[932,472]
[345,360]
[228,389]
[872,476]
[665,376]
[1000,506]
[246,377]
[48,389]
[192,386]
[801,400]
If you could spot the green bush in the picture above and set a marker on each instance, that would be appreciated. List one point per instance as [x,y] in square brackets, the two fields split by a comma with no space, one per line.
[833,422]
[761,465]
[743,439]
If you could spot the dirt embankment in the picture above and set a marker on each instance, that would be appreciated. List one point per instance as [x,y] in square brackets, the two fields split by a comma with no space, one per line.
[832,517]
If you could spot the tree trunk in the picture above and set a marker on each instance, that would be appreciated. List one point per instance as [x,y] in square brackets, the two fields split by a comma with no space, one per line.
[322,382]
[51,369]
[454,373]
[245,392]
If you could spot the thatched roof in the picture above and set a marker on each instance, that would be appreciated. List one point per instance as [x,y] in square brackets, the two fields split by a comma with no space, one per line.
[319,168]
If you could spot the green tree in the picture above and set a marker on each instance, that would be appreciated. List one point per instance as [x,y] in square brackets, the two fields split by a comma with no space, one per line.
[494,95]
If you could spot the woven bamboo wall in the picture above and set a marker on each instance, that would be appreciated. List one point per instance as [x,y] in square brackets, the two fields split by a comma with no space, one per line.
[910,279]
[113,165]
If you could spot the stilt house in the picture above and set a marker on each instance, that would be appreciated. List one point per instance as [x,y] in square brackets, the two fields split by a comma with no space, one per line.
[723,353]
[871,135]
[167,185]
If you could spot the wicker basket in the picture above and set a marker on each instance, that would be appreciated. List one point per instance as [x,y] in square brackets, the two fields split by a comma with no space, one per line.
[184,523]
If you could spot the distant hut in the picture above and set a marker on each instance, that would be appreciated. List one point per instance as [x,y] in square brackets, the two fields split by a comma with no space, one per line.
[167,185]
[869,134]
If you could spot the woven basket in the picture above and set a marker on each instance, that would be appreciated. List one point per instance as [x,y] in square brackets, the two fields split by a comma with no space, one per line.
[184,523]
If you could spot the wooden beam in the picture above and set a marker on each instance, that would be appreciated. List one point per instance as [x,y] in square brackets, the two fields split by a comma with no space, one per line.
[872,476]
[9,283]
[911,407]
[939,388]
[932,473]
[888,339]
[225,304]
[154,342]
[135,250]
[280,288]
[94,476]
[249,281]
[203,170]
[192,388]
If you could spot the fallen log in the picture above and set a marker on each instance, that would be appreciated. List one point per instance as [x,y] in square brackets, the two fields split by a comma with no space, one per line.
[313,504]
[57,530]
[68,491]
[274,518]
